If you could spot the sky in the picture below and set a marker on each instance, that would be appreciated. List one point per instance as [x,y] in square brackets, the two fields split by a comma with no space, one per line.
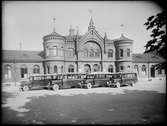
[27,22]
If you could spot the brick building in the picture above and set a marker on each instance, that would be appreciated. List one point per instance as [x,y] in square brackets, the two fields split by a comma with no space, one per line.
[79,53]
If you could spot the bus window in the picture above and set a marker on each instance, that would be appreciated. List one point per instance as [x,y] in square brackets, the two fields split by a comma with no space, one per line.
[59,77]
[108,76]
[82,76]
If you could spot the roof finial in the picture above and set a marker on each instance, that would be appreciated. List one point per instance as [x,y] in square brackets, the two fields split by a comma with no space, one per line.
[122,29]
[54,29]
[77,30]
[91,23]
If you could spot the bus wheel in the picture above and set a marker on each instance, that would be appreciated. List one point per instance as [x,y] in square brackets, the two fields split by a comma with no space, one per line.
[89,85]
[25,88]
[132,83]
[55,87]
[118,84]
[108,84]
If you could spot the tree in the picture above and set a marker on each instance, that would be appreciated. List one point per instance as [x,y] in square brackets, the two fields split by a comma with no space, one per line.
[157,25]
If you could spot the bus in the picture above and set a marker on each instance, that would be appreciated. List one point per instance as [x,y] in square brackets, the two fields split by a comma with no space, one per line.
[53,81]
[78,80]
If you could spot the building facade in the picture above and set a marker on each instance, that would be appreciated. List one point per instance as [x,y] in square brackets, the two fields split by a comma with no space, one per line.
[90,52]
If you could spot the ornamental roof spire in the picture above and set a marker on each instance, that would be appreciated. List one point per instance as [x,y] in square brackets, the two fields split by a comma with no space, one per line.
[91,23]
[54,29]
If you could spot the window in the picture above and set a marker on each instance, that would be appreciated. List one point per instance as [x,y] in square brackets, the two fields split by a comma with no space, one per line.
[110,68]
[62,69]
[143,69]
[96,67]
[91,53]
[121,52]
[97,53]
[159,71]
[110,53]
[8,71]
[128,52]
[71,68]
[85,53]
[48,69]
[52,51]
[55,69]
[136,68]
[71,52]
[24,72]
[121,68]
[36,69]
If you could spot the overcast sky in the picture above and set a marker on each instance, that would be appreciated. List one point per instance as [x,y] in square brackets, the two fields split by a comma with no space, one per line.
[27,22]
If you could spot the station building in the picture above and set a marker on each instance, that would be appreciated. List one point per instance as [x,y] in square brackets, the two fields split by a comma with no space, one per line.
[90,52]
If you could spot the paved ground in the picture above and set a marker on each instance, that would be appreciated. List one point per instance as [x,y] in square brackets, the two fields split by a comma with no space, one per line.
[143,103]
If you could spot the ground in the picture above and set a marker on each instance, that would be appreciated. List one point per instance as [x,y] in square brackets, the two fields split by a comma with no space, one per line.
[142,103]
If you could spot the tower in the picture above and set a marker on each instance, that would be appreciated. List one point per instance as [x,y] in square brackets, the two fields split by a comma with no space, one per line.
[53,45]
[123,46]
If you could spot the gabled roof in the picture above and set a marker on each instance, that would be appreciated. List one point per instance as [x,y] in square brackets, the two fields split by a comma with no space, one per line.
[147,57]
[22,56]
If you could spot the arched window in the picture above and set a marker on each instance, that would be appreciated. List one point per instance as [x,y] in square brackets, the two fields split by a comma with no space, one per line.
[136,68]
[61,51]
[54,50]
[62,69]
[71,68]
[24,71]
[121,68]
[97,53]
[71,52]
[36,69]
[110,53]
[121,52]
[55,69]
[8,71]
[87,68]
[110,68]
[159,71]
[85,53]
[96,68]
[91,53]
[128,52]
[143,69]
[48,69]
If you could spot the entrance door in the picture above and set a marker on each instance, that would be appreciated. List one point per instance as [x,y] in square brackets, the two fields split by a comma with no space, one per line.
[152,72]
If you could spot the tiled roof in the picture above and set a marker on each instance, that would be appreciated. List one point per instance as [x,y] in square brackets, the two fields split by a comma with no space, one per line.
[147,57]
[54,34]
[19,56]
